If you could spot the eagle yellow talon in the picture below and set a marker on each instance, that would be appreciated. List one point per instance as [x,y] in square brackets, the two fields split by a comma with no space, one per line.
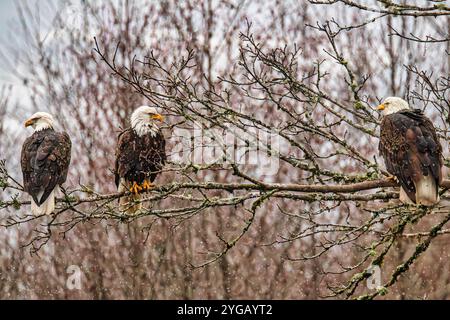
[147,185]
[393,178]
[135,188]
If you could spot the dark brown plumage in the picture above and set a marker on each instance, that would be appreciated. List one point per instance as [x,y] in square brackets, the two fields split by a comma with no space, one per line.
[45,161]
[139,158]
[411,149]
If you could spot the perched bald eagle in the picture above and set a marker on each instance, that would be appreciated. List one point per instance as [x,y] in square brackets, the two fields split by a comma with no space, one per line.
[45,161]
[140,156]
[411,151]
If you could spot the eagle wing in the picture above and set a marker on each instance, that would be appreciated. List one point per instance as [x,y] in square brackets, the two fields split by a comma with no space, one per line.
[410,148]
[156,155]
[123,156]
[45,161]
[138,158]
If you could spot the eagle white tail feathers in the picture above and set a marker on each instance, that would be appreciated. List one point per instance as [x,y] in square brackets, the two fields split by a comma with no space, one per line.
[47,207]
[426,192]
[128,203]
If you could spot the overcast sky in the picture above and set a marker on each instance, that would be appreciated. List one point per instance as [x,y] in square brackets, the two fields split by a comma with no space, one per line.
[7,15]
[8,22]
[7,10]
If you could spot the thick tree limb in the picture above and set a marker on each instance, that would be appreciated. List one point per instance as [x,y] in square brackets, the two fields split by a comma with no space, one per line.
[311,190]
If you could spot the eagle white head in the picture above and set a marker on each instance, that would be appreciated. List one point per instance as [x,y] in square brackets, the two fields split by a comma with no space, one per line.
[392,105]
[144,120]
[40,121]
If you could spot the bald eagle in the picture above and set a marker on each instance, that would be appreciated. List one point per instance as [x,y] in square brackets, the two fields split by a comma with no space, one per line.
[45,161]
[411,151]
[140,156]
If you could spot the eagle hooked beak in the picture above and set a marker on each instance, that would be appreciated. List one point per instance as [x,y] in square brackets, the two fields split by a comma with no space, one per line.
[381,107]
[157,117]
[29,122]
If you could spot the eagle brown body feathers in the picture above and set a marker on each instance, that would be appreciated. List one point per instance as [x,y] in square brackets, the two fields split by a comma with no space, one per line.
[139,158]
[45,161]
[411,150]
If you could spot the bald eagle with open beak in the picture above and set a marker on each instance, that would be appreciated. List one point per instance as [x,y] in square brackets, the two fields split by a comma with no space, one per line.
[140,156]
[411,151]
[45,161]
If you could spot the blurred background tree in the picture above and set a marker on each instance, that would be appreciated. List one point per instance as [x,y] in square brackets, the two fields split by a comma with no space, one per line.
[312,69]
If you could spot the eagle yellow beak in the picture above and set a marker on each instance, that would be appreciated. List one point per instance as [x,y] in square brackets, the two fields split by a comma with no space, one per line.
[157,117]
[381,107]
[29,122]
